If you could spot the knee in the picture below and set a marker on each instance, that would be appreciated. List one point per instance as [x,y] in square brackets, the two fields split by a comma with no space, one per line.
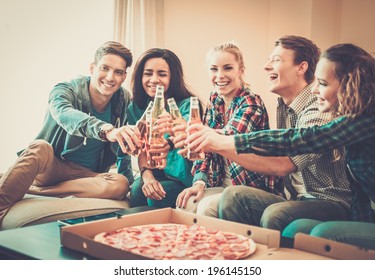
[274,218]
[119,188]
[208,207]
[39,146]
[328,230]
[228,198]
[300,225]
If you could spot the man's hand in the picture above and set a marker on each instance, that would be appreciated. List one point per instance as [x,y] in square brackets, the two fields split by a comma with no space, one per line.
[126,136]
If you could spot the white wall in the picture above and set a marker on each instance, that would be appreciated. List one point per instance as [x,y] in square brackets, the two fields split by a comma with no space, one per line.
[43,42]
[194,26]
[47,41]
[357,23]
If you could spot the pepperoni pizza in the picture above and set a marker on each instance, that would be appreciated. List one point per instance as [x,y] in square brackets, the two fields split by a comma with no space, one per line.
[177,241]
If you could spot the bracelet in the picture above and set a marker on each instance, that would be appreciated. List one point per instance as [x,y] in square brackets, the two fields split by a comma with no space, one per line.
[201,182]
[170,143]
[143,169]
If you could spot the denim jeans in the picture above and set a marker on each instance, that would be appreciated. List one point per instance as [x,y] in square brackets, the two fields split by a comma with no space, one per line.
[253,206]
[355,233]
[171,187]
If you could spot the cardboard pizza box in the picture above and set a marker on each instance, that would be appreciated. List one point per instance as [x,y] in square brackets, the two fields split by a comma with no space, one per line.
[331,249]
[80,237]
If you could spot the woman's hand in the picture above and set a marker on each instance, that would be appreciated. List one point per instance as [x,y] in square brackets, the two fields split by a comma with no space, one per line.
[151,187]
[179,138]
[161,150]
[197,190]
[164,123]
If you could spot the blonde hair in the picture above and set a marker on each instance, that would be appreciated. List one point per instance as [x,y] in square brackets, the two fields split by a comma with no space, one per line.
[232,48]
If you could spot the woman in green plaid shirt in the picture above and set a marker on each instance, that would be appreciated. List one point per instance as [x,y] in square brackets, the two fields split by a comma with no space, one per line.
[346,88]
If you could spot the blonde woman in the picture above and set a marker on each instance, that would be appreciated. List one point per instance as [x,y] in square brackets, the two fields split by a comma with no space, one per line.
[232,109]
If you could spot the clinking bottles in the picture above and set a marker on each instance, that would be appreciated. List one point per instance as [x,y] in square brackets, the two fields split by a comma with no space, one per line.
[176,115]
[155,138]
[142,127]
[193,119]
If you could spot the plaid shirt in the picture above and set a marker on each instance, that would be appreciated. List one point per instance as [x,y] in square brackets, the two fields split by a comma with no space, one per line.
[322,175]
[246,113]
[358,137]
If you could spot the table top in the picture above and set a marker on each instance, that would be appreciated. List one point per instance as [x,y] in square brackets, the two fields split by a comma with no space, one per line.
[43,241]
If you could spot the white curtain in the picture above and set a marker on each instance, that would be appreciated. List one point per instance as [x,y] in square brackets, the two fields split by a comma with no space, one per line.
[139,24]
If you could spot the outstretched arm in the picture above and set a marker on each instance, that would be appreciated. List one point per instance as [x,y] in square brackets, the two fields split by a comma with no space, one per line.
[212,141]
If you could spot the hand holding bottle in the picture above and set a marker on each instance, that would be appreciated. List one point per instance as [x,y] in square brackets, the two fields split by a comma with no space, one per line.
[164,123]
[140,127]
[128,137]
[159,152]
[194,118]
[178,127]
[180,138]
[204,137]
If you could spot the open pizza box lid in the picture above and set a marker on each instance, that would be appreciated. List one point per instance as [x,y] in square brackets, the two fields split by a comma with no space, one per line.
[80,237]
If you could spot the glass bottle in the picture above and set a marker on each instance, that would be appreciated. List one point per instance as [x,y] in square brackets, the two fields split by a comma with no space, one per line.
[176,115]
[194,118]
[142,126]
[177,118]
[156,138]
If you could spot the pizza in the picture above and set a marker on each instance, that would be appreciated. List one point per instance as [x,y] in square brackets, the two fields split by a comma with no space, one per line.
[177,241]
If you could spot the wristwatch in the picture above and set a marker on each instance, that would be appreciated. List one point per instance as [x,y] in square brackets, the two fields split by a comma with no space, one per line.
[170,143]
[104,129]
[143,169]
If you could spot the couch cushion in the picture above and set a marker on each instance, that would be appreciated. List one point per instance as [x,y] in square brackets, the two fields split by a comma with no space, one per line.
[35,209]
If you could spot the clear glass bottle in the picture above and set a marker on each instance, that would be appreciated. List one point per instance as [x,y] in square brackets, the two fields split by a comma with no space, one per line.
[177,118]
[142,126]
[156,138]
[175,113]
[194,118]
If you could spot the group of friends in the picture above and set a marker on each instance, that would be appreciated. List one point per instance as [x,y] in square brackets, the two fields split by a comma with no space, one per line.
[314,174]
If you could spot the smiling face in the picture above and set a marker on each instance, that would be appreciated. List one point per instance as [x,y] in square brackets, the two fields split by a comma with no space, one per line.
[326,86]
[156,72]
[282,71]
[225,73]
[107,75]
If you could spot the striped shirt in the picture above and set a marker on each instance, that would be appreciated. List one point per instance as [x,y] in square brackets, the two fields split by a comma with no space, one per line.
[358,137]
[246,113]
[323,177]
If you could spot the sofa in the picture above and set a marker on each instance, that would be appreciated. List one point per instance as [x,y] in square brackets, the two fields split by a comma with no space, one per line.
[35,209]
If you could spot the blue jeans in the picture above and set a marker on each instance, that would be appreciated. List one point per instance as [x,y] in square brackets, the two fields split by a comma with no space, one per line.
[355,233]
[171,187]
[253,206]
